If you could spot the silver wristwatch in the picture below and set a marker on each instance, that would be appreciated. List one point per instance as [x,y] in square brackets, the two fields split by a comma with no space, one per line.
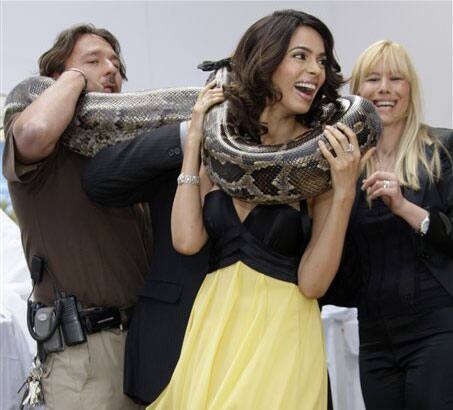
[424,226]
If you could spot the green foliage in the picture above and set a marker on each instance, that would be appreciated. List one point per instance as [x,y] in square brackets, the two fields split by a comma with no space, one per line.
[8,210]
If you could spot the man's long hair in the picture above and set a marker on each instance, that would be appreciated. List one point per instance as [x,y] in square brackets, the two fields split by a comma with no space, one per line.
[53,60]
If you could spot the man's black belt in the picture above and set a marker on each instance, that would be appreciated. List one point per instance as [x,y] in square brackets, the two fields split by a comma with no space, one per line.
[96,319]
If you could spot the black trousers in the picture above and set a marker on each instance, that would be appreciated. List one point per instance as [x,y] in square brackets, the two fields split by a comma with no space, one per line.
[406,363]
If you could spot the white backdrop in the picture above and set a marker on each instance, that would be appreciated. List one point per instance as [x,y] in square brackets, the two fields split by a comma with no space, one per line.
[163,41]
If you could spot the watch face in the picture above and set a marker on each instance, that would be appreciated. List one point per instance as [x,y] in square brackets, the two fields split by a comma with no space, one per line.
[424,226]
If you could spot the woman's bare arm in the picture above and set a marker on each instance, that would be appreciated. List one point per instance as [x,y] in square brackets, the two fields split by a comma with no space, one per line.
[331,212]
[187,228]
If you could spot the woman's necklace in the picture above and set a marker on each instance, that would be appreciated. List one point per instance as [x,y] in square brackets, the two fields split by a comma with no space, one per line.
[385,162]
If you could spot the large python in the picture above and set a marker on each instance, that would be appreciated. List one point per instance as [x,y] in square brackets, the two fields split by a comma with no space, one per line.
[253,172]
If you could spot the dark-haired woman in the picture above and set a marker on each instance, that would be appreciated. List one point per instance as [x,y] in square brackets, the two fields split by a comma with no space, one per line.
[254,339]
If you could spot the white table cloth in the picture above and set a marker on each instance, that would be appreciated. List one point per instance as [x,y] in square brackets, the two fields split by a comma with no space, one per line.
[342,348]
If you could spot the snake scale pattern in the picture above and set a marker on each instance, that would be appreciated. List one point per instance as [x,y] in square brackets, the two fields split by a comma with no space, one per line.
[253,172]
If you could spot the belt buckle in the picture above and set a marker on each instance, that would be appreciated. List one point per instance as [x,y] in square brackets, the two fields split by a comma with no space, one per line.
[102,318]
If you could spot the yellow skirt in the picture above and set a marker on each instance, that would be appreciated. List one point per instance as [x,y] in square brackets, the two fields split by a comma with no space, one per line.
[253,342]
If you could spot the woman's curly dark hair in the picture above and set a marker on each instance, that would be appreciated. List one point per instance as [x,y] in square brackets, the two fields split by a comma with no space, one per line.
[258,54]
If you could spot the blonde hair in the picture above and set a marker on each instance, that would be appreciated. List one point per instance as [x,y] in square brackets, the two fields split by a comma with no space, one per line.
[410,151]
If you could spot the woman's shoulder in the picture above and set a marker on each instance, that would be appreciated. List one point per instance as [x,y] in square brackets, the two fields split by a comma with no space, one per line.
[443,140]
[445,136]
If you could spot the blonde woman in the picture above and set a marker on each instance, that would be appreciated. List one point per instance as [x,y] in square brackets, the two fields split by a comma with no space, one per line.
[400,241]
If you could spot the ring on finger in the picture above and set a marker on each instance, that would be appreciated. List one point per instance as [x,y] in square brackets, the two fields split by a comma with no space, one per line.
[386,184]
[349,148]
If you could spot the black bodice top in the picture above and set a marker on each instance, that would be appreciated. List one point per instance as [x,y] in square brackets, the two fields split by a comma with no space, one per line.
[270,240]
[396,281]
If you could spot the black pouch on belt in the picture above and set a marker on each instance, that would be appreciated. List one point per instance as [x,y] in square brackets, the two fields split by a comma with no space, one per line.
[97,319]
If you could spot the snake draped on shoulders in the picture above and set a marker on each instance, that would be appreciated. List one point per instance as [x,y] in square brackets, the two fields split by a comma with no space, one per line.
[258,173]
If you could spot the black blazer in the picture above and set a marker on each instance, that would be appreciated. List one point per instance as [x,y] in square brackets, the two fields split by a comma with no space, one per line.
[435,248]
[145,170]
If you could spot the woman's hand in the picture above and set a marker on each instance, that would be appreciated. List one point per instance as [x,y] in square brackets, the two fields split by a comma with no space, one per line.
[346,164]
[209,96]
[386,186]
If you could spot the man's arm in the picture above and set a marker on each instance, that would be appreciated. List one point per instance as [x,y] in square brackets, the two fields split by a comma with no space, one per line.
[38,128]
[125,173]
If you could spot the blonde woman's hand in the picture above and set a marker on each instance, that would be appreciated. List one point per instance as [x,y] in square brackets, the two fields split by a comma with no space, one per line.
[345,165]
[209,96]
[385,185]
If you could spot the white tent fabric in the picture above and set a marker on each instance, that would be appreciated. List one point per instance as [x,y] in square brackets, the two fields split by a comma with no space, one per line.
[14,275]
[15,360]
[17,347]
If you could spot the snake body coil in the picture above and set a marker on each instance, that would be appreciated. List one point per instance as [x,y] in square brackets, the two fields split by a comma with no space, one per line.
[103,119]
[253,172]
